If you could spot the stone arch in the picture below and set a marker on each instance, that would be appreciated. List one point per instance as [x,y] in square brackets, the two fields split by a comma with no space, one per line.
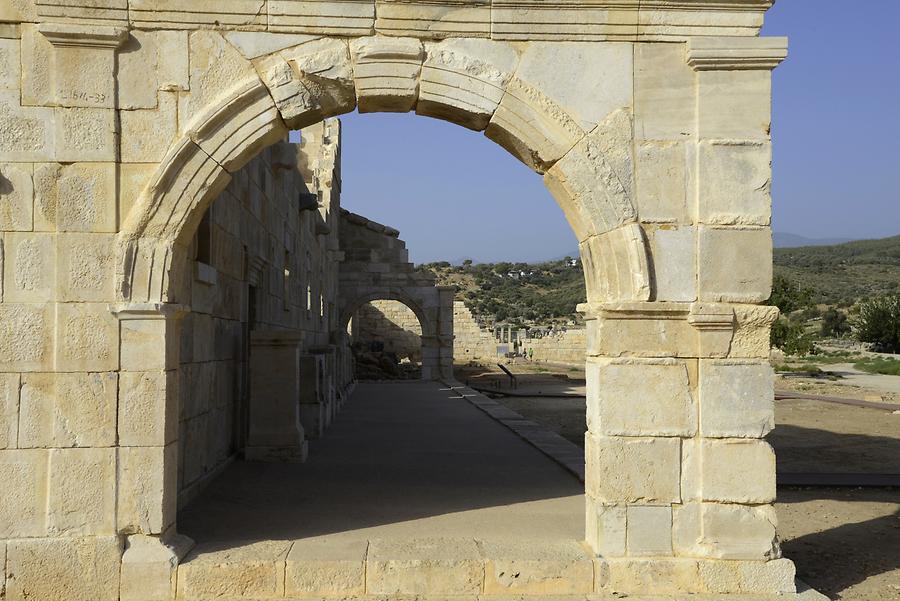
[429,328]
[469,82]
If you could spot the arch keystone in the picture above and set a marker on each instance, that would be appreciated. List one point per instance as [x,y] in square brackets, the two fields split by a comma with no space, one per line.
[386,71]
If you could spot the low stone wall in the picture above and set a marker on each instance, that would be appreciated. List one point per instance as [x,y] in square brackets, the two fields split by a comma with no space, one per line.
[471,342]
[569,346]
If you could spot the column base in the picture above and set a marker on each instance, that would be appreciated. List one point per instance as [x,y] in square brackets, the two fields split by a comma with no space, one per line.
[149,566]
[292,454]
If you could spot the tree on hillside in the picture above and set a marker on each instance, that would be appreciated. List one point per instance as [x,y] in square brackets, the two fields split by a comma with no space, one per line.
[879,323]
[834,324]
[789,296]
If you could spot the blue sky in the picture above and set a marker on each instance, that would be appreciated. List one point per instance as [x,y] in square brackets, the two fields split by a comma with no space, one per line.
[453,193]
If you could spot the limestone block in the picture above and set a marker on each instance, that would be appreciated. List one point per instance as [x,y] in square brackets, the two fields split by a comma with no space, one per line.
[133,178]
[26,337]
[10,65]
[149,344]
[691,470]
[738,532]
[149,565]
[85,134]
[662,576]
[640,398]
[463,80]
[605,528]
[734,104]
[242,570]
[751,337]
[736,399]
[754,482]
[730,577]
[442,19]
[616,264]
[386,73]
[147,481]
[80,197]
[661,181]
[82,492]
[735,264]
[28,267]
[23,504]
[18,11]
[536,568]
[326,567]
[16,197]
[148,407]
[674,262]
[175,14]
[687,518]
[76,569]
[604,157]
[26,133]
[532,19]
[649,530]
[254,44]
[734,180]
[136,78]
[81,76]
[37,67]
[196,452]
[87,337]
[173,69]
[532,127]
[9,410]
[68,410]
[588,81]
[86,267]
[232,141]
[147,134]
[664,96]
[328,17]
[632,470]
[419,566]
[78,11]
[310,82]
[216,70]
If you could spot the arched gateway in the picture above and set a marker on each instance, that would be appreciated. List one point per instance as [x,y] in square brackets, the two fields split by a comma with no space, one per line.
[122,120]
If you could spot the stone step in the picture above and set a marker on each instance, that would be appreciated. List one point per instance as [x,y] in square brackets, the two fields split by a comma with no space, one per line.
[447,569]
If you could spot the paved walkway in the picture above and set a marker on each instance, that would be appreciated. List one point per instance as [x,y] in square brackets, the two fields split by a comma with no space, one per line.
[402,460]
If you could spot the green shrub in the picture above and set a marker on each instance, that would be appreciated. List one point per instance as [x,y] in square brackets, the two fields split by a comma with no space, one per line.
[834,324]
[790,338]
[879,323]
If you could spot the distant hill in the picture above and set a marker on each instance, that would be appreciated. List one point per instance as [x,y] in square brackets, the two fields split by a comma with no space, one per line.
[786,240]
[844,273]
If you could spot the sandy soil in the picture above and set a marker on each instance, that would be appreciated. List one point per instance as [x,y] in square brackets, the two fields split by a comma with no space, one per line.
[845,542]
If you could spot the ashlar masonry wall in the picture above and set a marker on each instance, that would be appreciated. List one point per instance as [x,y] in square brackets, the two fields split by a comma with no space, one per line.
[391,323]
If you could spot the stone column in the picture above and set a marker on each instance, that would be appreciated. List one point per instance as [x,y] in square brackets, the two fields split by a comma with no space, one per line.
[445,331]
[276,433]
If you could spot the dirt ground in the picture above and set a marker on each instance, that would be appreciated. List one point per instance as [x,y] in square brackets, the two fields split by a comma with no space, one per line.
[844,541]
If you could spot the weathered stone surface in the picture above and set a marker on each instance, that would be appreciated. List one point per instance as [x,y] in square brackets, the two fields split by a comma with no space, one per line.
[168,14]
[147,498]
[386,73]
[82,492]
[87,337]
[605,528]
[776,576]
[9,410]
[149,566]
[239,570]
[649,530]
[734,104]
[640,398]
[463,81]
[85,134]
[734,183]
[664,93]
[29,270]
[343,18]
[75,198]
[26,134]
[148,407]
[674,269]
[661,181]
[632,470]
[735,264]
[536,568]
[662,576]
[68,410]
[442,19]
[23,505]
[10,64]
[26,337]
[16,197]
[417,566]
[326,567]
[726,531]
[75,569]
[754,483]
[736,399]
[147,134]
[85,267]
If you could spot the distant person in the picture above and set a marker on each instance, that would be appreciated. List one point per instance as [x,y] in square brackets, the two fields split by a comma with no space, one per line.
[531,354]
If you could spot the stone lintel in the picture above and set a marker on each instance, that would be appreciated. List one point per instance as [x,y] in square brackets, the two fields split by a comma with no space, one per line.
[736,53]
[276,337]
[83,35]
